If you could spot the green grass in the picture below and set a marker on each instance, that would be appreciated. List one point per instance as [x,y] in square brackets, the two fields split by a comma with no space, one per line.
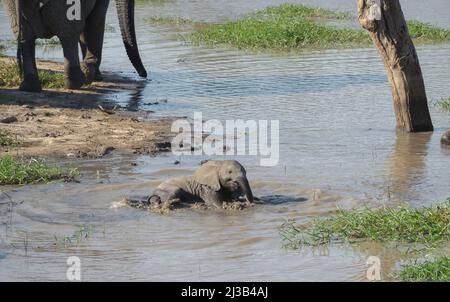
[6,140]
[299,11]
[21,172]
[10,77]
[278,34]
[426,32]
[443,104]
[294,27]
[437,270]
[429,226]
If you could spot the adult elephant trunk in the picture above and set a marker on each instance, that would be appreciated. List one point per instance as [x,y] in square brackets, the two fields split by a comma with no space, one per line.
[245,186]
[125,12]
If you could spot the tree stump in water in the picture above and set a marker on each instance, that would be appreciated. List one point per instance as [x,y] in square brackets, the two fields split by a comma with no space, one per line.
[386,24]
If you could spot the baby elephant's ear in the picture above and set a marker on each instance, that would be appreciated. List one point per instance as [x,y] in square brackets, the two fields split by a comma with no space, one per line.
[208,175]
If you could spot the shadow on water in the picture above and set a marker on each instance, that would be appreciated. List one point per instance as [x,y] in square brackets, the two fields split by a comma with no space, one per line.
[279,199]
[136,201]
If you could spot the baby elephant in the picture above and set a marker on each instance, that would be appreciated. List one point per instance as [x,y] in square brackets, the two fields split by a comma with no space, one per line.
[213,183]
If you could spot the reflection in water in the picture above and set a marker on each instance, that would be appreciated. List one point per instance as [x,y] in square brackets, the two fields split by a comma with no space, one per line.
[407,164]
[135,98]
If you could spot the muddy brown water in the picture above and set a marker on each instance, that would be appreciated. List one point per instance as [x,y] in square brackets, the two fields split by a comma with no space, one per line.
[338,147]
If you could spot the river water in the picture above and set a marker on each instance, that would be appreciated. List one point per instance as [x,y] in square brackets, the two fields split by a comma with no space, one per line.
[338,147]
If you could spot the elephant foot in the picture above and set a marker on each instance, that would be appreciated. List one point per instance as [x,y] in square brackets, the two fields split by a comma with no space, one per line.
[30,83]
[74,79]
[89,72]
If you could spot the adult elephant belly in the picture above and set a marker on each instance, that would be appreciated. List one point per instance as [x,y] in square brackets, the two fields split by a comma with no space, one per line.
[65,20]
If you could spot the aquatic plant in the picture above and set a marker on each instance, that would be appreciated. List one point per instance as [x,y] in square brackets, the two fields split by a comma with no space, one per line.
[10,76]
[429,226]
[19,172]
[437,270]
[83,233]
[443,104]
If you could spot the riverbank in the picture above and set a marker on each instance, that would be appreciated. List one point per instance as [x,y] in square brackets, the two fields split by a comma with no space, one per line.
[77,124]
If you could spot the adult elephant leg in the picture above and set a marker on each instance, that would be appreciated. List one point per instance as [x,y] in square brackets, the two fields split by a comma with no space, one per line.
[30,82]
[26,45]
[91,41]
[74,77]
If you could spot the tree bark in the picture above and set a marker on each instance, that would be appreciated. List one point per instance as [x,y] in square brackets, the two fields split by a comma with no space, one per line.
[386,24]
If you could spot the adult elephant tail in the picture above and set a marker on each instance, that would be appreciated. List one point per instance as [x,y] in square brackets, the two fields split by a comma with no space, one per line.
[125,12]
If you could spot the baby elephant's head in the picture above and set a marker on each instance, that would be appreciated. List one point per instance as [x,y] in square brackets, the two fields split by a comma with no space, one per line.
[227,175]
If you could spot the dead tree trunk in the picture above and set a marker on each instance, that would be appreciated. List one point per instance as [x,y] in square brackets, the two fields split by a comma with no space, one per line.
[386,24]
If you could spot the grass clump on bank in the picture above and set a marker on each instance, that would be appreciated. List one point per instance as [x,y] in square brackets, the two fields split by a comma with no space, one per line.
[429,226]
[20,172]
[425,32]
[292,26]
[10,77]
[437,270]
[6,140]
[278,34]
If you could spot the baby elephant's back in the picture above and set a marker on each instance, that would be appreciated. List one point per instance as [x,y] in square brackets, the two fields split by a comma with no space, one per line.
[178,182]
